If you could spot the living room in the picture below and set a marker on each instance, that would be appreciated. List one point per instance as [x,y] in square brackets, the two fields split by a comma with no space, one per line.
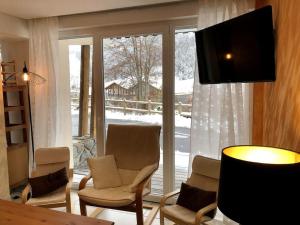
[88,34]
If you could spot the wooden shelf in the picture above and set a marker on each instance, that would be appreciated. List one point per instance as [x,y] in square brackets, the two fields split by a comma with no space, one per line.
[12,63]
[16,117]
[15,127]
[16,146]
[13,108]
[13,88]
[8,72]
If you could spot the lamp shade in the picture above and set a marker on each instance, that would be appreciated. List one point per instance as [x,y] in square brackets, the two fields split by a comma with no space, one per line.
[260,185]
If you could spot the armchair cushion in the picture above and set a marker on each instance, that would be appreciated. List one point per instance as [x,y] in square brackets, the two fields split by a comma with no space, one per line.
[144,173]
[194,198]
[182,214]
[57,196]
[109,197]
[48,183]
[104,172]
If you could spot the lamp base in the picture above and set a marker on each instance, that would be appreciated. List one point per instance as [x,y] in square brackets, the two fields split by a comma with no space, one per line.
[228,221]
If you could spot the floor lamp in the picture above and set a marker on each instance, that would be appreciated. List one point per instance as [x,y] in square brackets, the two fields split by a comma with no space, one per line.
[31,78]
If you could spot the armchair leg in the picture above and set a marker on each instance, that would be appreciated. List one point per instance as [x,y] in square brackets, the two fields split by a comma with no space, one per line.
[82,208]
[161,218]
[139,212]
[68,207]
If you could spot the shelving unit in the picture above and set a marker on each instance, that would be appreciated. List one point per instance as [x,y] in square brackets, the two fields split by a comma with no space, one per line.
[16,125]
[9,73]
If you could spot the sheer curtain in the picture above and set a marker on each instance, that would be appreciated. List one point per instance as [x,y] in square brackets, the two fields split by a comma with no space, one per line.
[221,112]
[51,120]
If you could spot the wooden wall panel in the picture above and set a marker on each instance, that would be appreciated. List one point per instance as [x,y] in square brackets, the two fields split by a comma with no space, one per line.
[281,100]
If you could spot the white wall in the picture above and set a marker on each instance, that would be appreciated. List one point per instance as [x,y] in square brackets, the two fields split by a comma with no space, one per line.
[164,12]
[15,49]
[12,27]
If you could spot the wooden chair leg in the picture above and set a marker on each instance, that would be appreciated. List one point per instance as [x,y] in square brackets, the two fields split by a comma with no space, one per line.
[139,211]
[82,208]
[161,218]
[68,207]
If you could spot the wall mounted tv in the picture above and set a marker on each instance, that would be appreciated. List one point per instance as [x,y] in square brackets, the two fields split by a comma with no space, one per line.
[237,50]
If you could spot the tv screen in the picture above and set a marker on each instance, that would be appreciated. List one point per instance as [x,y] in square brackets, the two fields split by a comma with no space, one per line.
[237,50]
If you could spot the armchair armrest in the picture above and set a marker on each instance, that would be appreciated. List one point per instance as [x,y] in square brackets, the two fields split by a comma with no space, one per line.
[70,173]
[143,175]
[167,196]
[69,186]
[83,182]
[205,210]
[25,193]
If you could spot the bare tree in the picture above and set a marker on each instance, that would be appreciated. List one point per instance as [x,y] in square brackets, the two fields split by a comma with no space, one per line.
[185,55]
[136,59]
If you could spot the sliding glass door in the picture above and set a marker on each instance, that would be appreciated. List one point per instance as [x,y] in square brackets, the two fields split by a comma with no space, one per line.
[140,74]
[133,85]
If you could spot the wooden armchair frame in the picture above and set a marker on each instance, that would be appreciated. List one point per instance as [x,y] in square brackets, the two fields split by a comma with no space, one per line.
[136,206]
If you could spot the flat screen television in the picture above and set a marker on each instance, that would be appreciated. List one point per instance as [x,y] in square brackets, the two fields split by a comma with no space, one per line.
[238,50]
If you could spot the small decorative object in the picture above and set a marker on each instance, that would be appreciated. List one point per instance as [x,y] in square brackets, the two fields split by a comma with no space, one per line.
[259,185]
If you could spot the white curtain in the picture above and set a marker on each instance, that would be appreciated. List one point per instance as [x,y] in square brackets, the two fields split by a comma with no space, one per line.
[51,120]
[221,112]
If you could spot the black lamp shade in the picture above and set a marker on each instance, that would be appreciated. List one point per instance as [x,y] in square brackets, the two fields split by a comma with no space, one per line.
[25,70]
[254,193]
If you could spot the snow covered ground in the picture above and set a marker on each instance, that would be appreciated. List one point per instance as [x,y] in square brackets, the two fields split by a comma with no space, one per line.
[180,121]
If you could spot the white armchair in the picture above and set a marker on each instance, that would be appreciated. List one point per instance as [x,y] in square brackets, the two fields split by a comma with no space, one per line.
[205,175]
[135,151]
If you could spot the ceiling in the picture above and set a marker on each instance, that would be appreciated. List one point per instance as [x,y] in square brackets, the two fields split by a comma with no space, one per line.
[28,9]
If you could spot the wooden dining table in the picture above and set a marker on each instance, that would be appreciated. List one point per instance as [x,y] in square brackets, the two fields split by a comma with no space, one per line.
[12,213]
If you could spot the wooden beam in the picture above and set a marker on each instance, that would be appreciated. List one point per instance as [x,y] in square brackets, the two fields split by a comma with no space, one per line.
[84,90]
[93,111]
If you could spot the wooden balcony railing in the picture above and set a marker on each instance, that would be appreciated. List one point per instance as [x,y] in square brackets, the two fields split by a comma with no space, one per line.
[149,107]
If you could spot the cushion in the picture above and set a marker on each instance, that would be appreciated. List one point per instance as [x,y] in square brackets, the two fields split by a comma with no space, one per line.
[45,184]
[194,198]
[109,197]
[182,214]
[57,196]
[104,172]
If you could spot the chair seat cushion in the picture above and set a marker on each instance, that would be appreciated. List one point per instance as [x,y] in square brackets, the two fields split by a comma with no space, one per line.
[110,197]
[48,183]
[57,196]
[180,213]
